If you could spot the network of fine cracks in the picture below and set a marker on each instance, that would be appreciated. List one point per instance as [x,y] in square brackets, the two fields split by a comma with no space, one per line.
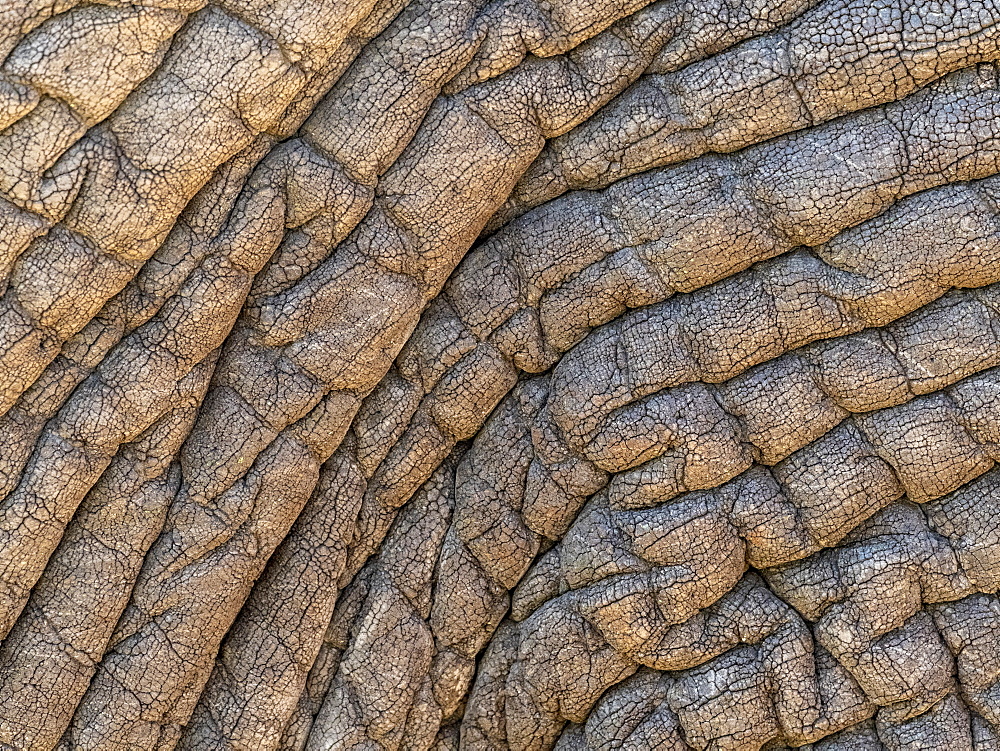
[499,374]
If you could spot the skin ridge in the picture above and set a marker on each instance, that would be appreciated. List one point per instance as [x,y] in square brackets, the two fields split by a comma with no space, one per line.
[491,557]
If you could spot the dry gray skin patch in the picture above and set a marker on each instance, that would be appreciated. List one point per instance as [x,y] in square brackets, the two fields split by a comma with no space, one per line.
[467,374]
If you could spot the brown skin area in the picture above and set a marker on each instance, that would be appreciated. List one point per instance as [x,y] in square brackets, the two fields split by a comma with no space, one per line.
[467,374]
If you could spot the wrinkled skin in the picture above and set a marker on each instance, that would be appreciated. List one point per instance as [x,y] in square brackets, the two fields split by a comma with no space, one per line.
[499,374]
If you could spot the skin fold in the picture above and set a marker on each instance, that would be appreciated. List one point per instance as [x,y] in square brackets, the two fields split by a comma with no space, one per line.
[499,374]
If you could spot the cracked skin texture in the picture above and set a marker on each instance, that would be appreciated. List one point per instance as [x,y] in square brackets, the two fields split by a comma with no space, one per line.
[499,374]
